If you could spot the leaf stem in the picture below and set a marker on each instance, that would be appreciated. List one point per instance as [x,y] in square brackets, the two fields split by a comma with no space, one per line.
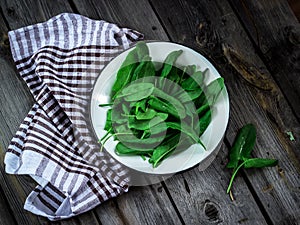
[233,176]
[128,115]
[104,141]
[107,137]
[107,133]
[144,134]
[106,104]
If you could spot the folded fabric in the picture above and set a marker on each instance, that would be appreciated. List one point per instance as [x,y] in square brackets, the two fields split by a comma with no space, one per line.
[59,60]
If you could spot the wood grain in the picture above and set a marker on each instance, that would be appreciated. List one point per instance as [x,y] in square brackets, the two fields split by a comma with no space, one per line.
[261,91]
[131,208]
[141,205]
[188,212]
[8,217]
[16,101]
[275,32]
[201,196]
[295,6]
[137,15]
[109,212]
[253,93]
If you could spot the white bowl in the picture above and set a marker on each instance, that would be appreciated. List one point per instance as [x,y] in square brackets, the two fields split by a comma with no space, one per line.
[212,137]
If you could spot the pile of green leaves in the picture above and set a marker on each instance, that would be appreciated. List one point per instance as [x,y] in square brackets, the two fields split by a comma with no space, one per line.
[240,153]
[158,108]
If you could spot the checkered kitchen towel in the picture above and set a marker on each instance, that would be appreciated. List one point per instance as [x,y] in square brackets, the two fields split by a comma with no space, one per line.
[60,60]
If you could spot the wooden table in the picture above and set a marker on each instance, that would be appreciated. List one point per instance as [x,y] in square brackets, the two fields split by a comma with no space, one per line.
[255,45]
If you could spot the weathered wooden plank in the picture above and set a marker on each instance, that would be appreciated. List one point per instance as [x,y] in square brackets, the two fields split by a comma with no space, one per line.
[110,212]
[6,217]
[131,208]
[201,196]
[295,6]
[184,38]
[89,218]
[132,14]
[254,96]
[16,101]
[141,205]
[23,13]
[275,32]
[187,210]
[276,188]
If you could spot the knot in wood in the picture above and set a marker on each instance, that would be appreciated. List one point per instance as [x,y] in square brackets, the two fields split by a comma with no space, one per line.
[4,44]
[11,11]
[211,211]
[292,33]
[4,39]
[203,33]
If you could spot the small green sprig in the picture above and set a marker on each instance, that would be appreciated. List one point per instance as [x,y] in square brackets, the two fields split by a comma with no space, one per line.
[240,153]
